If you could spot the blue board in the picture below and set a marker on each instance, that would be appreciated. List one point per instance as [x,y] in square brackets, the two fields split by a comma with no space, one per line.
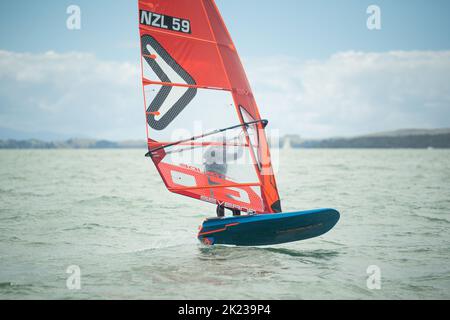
[268,229]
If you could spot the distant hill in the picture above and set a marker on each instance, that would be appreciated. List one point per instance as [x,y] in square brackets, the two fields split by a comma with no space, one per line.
[405,138]
[7,134]
[409,132]
[71,144]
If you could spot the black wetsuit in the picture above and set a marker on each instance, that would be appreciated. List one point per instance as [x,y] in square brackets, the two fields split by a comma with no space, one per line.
[220,210]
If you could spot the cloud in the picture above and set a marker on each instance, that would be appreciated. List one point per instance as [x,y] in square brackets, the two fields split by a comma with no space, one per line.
[70,94]
[349,93]
[354,92]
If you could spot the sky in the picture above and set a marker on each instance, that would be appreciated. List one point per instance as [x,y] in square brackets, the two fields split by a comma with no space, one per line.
[315,68]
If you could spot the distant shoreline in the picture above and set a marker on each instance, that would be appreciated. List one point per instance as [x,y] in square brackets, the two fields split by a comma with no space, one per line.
[70,144]
[421,141]
[401,139]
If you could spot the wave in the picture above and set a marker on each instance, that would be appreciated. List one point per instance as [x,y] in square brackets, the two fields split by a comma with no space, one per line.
[92,226]
[431,219]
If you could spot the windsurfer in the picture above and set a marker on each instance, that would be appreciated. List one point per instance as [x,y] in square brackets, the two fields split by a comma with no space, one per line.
[215,161]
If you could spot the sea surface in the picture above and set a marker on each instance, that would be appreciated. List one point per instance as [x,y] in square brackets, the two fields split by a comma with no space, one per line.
[107,214]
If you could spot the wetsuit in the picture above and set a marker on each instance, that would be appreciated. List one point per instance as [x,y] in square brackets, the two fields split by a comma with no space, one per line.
[215,160]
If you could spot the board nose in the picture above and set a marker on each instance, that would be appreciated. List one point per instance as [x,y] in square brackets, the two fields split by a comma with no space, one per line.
[334,216]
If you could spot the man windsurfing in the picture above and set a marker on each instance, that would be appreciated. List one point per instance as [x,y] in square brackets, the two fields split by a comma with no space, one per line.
[215,161]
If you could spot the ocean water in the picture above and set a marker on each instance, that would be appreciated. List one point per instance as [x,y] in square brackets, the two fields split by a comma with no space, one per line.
[108,213]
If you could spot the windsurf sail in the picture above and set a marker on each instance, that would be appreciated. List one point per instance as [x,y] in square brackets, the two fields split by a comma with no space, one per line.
[204,131]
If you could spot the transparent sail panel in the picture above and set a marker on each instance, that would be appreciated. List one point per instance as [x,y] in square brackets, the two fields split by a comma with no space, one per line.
[220,164]
[176,113]
[253,132]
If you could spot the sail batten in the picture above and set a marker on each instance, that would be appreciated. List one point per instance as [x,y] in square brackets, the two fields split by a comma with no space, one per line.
[194,85]
[147,82]
[218,186]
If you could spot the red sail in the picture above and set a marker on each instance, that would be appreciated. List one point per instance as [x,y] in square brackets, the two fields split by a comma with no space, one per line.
[205,134]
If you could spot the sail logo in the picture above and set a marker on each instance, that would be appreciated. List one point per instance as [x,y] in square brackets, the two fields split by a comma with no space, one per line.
[162,21]
[176,94]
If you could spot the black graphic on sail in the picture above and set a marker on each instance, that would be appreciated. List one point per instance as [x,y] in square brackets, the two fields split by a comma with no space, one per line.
[168,71]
